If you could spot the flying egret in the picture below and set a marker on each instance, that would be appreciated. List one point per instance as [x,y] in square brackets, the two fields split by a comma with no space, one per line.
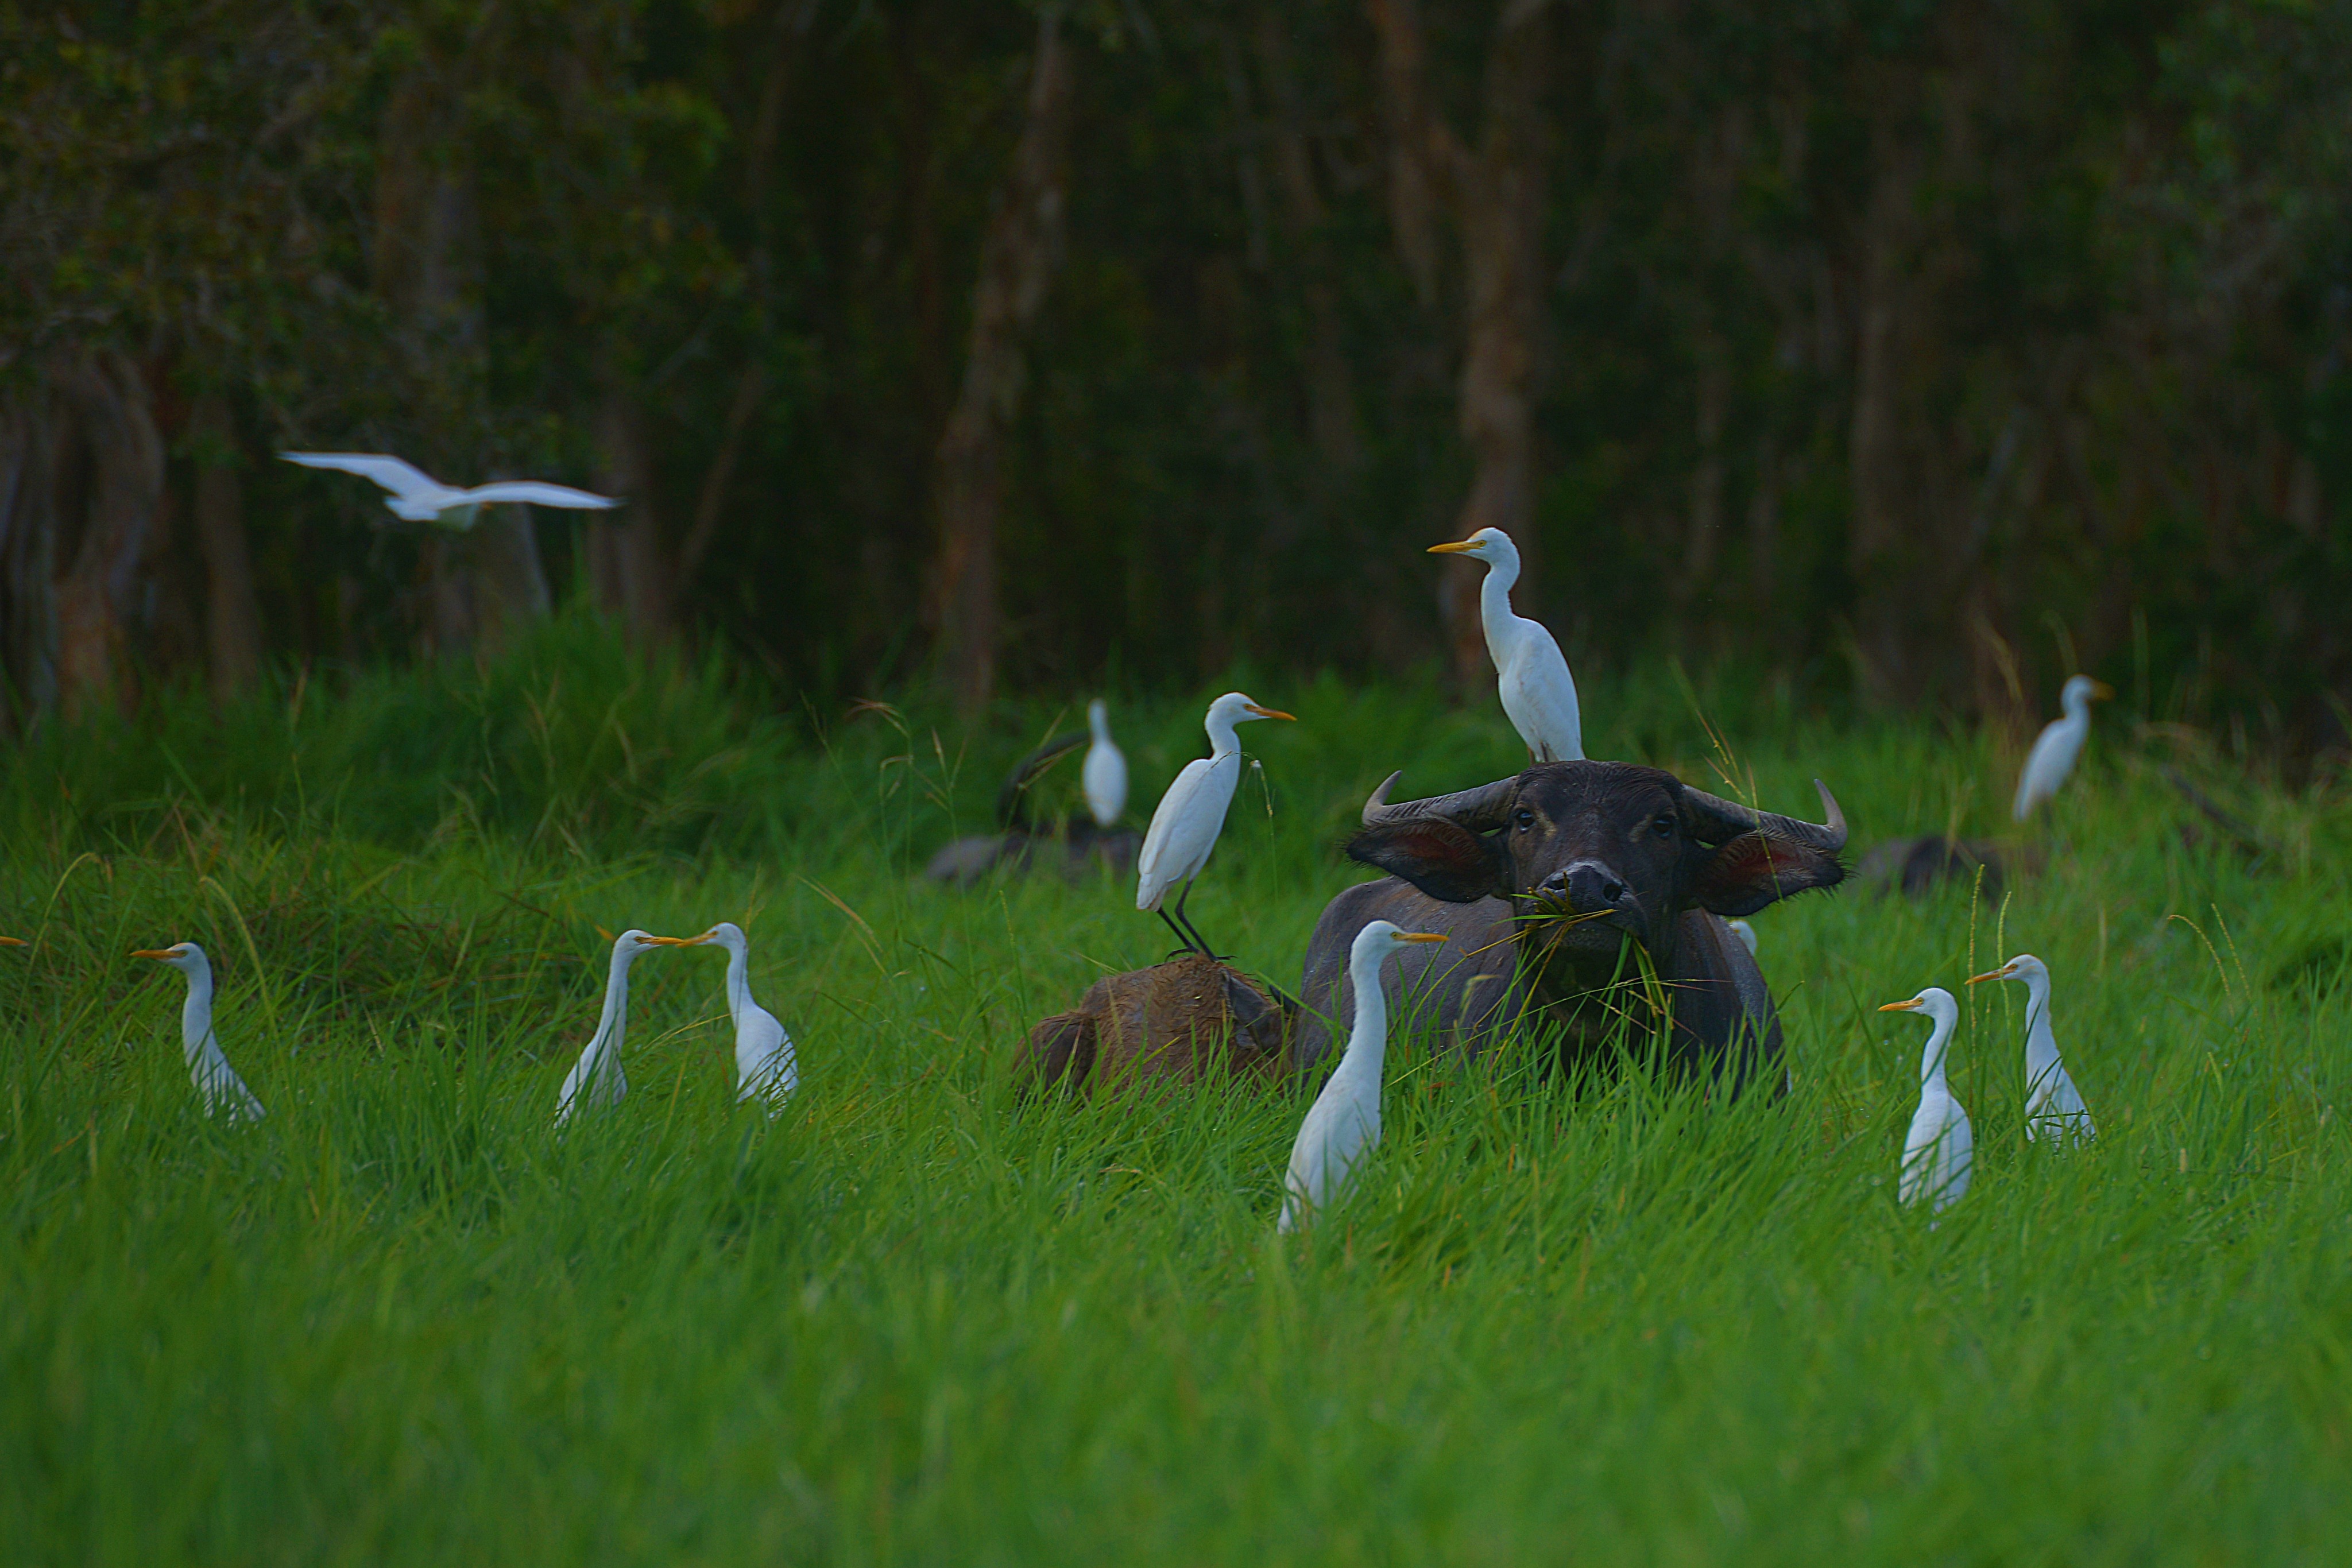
[2059,743]
[765,1067]
[1346,1119]
[1939,1150]
[418,498]
[1539,694]
[1191,816]
[2053,1104]
[597,1074]
[216,1081]
[1104,775]
[1746,933]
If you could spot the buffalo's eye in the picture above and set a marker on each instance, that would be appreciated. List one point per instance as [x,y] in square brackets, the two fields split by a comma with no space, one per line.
[1523,817]
[1662,825]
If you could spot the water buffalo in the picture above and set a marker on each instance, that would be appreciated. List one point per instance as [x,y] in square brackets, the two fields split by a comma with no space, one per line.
[1546,884]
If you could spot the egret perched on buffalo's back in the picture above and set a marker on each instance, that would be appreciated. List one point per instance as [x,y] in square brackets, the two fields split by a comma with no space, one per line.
[1346,1117]
[2059,744]
[1191,816]
[1531,674]
[216,1081]
[1104,776]
[597,1074]
[1746,933]
[2053,1104]
[765,1067]
[418,498]
[1940,1151]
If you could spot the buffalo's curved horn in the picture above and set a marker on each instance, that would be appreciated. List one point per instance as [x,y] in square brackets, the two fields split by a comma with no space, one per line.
[1474,808]
[1730,817]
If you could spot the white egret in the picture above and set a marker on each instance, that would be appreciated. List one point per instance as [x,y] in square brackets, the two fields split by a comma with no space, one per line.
[216,1081]
[1746,933]
[1941,1150]
[418,498]
[1531,675]
[2053,1104]
[1346,1118]
[1191,816]
[765,1067]
[597,1075]
[1105,774]
[2058,746]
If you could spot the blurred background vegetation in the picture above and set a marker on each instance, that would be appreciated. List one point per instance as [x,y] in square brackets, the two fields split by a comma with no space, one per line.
[1910,353]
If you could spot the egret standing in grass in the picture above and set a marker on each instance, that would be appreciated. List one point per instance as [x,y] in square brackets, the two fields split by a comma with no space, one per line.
[1941,1150]
[1346,1118]
[1531,675]
[217,1084]
[418,498]
[1191,816]
[765,1067]
[596,1077]
[2059,744]
[2053,1106]
[1105,774]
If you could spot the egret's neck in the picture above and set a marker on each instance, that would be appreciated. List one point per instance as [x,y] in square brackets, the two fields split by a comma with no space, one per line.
[196,1012]
[1368,1043]
[2040,1040]
[1222,741]
[738,980]
[1931,1060]
[614,1019]
[2077,704]
[1099,724]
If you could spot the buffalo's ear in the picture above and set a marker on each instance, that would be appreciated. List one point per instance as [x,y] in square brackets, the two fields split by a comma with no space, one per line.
[1754,870]
[1443,859]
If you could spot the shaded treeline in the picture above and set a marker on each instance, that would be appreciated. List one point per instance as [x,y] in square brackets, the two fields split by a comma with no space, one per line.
[1924,350]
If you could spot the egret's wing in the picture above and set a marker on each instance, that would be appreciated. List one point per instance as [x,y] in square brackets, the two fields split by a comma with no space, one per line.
[1105,780]
[403,479]
[2047,765]
[1166,825]
[538,494]
[764,1064]
[1538,694]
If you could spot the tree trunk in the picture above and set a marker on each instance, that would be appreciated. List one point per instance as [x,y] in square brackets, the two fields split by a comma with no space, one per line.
[1019,257]
[28,630]
[231,616]
[1498,201]
[1331,417]
[110,506]
[1876,556]
[626,564]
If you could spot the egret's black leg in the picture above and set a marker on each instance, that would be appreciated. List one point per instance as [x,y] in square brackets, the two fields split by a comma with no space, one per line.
[1200,943]
[1183,942]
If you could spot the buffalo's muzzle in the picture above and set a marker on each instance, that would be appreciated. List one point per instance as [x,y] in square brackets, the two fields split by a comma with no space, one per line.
[1588,887]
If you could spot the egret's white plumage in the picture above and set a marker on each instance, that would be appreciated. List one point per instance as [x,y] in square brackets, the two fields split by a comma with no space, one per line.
[2058,746]
[419,497]
[597,1077]
[1746,933]
[217,1084]
[1192,813]
[2053,1106]
[1530,673]
[1104,775]
[1940,1151]
[1346,1118]
[765,1066]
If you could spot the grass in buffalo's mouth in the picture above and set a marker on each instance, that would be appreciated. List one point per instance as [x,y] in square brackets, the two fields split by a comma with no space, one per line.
[918,1319]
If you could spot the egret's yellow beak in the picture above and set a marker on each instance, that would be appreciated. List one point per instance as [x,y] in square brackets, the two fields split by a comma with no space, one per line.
[12,942]
[154,952]
[679,941]
[2000,974]
[1270,712]
[1421,936]
[1910,1007]
[1454,547]
[2103,692]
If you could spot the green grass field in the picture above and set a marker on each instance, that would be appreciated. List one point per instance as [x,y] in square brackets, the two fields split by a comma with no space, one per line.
[919,1320]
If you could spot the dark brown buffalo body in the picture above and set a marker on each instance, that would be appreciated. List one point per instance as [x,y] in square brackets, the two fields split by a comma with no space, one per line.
[1546,884]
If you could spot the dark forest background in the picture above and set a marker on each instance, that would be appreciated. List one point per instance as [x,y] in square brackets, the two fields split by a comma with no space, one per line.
[1919,351]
